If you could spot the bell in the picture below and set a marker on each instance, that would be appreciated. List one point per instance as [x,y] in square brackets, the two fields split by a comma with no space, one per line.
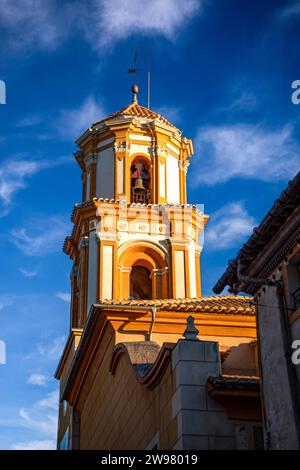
[138,184]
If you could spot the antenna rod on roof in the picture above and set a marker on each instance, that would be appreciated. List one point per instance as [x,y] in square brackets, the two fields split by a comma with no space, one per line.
[149,87]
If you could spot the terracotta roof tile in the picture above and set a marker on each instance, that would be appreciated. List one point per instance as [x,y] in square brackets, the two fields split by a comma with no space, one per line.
[228,304]
[136,110]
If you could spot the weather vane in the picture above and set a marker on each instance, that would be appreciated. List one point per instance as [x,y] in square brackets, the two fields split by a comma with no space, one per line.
[134,70]
[135,88]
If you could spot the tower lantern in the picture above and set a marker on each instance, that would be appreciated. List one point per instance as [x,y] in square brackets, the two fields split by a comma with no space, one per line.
[134,225]
[133,356]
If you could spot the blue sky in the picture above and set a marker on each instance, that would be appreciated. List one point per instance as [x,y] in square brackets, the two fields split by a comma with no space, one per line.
[221,71]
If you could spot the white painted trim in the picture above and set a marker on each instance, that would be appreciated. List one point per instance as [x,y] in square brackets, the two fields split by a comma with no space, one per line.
[192,271]
[107,272]
[174,149]
[140,148]
[179,274]
[140,137]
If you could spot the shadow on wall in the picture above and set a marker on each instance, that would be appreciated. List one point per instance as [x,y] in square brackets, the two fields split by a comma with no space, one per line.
[241,360]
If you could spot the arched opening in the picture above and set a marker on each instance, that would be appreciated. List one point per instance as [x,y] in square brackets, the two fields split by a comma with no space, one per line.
[140,182]
[155,277]
[140,283]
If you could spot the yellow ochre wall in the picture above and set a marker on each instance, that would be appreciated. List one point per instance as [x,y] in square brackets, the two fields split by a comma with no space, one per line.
[121,413]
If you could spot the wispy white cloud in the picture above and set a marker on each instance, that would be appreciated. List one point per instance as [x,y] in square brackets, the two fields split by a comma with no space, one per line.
[37,379]
[47,351]
[27,272]
[6,300]
[290,10]
[50,401]
[73,122]
[29,121]
[245,101]
[47,444]
[46,423]
[245,151]
[118,20]
[172,113]
[42,416]
[32,25]
[41,236]
[36,24]
[64,296]
[228,226]
[15,174]
[51,350]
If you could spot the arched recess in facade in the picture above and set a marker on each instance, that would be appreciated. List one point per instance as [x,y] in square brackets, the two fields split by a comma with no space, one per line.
[147,162]
[148,255]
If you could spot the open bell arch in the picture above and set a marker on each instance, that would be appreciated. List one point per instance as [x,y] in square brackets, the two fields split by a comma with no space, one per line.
[150,256]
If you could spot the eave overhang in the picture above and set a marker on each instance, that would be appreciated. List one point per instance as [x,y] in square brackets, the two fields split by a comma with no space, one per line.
[277,234]
[171,317]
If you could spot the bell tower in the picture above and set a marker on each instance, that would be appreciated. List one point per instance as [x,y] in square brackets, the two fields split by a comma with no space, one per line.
[134,235]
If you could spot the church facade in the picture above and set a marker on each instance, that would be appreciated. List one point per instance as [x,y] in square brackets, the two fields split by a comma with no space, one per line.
[149,363]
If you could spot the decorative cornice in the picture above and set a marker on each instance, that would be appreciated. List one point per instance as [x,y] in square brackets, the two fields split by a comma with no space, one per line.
[124,269]
[159,272]
[161,150]
[183,165]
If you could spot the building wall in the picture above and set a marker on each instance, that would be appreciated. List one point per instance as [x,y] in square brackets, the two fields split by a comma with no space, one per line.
[295,336]
[280,419]
[105,176]
[241,360]
[173,193]
[291,277]
[65,411]
[202,423]
[120,413]
[93,268]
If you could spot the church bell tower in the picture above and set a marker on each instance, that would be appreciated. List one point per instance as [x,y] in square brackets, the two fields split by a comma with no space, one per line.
[134,235]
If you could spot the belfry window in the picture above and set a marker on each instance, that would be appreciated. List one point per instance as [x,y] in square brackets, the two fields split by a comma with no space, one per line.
[140,182]
[140,283]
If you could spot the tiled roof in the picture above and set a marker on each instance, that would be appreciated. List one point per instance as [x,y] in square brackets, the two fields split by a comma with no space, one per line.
[262,237]
[215,304]
[136,110]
